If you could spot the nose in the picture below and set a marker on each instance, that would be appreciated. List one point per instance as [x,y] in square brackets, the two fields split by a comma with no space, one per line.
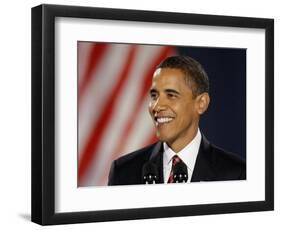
[159,105]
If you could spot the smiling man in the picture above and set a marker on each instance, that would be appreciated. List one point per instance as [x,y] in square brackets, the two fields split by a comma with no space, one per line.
[179,96]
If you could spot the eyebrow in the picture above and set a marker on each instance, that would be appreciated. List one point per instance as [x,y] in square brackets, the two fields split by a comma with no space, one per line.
[172,91]
[166,91]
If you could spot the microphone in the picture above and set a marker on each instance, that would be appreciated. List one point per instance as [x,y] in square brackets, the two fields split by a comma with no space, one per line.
[149,173]
[180,173]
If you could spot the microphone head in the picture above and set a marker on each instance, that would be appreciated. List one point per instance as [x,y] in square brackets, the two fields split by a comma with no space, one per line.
[150,173]
[180,172]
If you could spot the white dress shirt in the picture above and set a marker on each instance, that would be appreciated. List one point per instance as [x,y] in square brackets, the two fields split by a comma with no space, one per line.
[188,155]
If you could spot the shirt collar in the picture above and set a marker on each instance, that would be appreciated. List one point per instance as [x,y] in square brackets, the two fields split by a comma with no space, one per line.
[188,154]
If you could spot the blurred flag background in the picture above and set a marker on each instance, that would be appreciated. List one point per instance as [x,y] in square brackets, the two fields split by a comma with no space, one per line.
[113,119]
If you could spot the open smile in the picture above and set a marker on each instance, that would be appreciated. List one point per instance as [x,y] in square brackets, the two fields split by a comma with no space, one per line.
[163,120]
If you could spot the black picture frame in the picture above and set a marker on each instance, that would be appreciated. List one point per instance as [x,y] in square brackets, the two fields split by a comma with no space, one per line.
[43,114]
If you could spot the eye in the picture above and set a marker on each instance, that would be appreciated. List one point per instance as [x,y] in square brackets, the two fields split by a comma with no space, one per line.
[153,95]
[171,95]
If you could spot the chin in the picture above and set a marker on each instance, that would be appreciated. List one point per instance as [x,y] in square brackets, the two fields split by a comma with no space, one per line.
[163,138]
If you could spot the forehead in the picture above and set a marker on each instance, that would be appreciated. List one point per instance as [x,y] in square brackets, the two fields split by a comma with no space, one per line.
[168,77]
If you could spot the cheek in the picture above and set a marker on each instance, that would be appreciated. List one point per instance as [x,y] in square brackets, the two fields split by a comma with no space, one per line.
[186,112]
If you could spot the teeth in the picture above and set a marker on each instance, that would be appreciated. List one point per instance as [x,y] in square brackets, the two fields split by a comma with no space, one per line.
[162,120]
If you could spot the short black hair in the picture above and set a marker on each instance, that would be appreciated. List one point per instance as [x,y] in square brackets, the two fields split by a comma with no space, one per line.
[196,77]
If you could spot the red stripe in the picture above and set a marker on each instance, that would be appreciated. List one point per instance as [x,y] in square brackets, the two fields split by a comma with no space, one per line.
[96,133]
[96,55]
[146,83]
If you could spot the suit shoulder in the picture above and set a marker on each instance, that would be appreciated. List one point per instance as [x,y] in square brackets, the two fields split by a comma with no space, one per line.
[142,154]
[218,155]
[227,164]
[227,156]
[127,169]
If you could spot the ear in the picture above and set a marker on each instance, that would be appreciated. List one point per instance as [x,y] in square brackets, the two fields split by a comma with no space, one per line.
[203,101]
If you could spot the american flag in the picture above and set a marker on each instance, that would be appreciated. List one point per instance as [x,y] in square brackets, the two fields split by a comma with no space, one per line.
[113,119]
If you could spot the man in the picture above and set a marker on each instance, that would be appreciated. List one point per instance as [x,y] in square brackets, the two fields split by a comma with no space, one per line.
[179,96]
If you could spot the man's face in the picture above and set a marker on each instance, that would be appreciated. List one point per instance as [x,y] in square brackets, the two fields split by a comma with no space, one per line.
[173,108]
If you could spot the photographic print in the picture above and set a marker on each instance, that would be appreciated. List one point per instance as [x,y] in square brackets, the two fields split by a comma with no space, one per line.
[114,96]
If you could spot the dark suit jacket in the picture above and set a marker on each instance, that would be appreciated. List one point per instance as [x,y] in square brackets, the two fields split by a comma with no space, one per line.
[212,164]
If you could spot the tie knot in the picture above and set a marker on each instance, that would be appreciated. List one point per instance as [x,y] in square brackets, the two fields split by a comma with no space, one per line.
[176,160]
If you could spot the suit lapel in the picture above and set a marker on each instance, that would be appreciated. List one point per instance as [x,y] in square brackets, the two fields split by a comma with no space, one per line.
[156,157]
[204,170]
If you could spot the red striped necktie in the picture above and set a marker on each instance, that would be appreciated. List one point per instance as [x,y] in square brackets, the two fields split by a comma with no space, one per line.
[176,160]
